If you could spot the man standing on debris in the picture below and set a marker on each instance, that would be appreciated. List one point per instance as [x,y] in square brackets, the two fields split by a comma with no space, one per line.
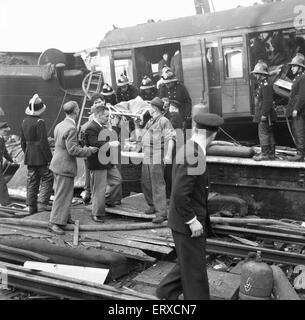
[265,114]
[157,141]
[188,216]
[97,100]
[296,106]
[64,166]
[37,156]
[104,175]
[4,131]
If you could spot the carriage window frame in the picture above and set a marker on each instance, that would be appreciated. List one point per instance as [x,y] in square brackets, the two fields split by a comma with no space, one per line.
[234,42]
[226,67]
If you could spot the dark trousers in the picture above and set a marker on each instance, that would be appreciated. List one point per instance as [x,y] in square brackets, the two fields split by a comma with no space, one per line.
[87,178]
[189,275]
[265,134]
[39,176]
[4,197]
[298,127]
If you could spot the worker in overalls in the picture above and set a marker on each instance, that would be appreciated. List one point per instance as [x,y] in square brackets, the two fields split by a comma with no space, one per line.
[37,156]
[296,106]
[265,114]
[157,141]
[4,131]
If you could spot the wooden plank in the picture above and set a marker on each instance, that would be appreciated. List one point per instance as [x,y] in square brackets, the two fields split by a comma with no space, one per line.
[132,244]
[131,253]
[223,285]
[153,275]
[103,227]
[24,253]
[76,233]
[128,212]
[60,285]
[147,240]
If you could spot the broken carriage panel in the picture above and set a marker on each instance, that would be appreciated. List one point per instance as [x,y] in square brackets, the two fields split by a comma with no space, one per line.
[271,188]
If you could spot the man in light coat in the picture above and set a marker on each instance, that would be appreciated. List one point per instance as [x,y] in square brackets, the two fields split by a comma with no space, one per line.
[64,166]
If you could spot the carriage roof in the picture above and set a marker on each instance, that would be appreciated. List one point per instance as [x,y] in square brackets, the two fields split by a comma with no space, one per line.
[233,19]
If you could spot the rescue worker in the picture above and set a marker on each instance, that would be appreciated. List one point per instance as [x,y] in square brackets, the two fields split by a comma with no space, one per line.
[296,106]
[157,140]
[126,91]
[264,114]
[4,131]
[37,156]
[64,167]
[174,90]
[105,176]
[109,94]
[97,100]
[148,91]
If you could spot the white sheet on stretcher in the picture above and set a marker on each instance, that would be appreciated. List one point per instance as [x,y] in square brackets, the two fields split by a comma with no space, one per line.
[137,105]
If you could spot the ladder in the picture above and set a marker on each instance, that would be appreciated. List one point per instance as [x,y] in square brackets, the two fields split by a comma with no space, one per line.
[91,85]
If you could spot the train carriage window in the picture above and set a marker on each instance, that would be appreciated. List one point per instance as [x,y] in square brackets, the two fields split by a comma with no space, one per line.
[233,59]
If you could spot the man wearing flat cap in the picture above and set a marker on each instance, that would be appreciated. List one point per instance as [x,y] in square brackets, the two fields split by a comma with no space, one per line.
[188,216]
[37,156]
[4,131]
[64,166]
[157,139]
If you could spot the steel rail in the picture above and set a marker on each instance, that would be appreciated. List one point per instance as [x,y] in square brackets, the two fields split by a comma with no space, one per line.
[275,236]
[269,255]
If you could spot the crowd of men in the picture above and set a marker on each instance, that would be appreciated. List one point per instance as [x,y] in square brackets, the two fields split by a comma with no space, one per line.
[170,111]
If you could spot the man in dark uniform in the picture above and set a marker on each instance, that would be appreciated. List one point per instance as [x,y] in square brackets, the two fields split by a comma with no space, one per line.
[174,90]
[109,94]
[148,91]
[296,106]
[188,216]
[37,156]
[4,130]
[125,91]
[265,114]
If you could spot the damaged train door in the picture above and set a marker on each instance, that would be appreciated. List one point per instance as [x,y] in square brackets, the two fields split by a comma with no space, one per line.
[227,77]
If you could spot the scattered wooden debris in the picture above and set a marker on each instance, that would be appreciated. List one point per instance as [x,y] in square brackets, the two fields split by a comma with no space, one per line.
[63,287]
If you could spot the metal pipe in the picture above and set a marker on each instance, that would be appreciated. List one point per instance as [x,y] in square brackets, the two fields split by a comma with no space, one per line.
[257,186]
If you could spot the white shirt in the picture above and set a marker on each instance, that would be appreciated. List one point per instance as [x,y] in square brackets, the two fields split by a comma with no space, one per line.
[67,117]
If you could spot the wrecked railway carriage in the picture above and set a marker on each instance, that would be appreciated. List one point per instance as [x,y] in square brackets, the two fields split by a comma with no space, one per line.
[136,253]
